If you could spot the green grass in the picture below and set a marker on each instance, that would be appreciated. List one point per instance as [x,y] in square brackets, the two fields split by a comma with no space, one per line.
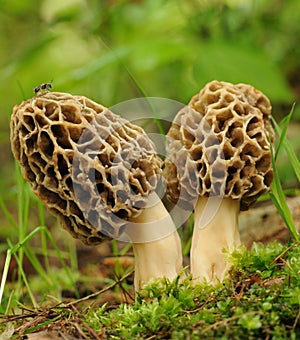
[260,299]
[277,193]
[21,247]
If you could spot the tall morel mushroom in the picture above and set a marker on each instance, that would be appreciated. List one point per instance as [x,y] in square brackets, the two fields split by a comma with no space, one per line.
[98,174]
[218,163]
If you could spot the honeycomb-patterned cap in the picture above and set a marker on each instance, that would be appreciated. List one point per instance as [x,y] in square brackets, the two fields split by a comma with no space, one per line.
[93,169]
[219,144]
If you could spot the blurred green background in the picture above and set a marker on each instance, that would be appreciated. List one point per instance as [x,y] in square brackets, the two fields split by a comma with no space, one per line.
[170,49]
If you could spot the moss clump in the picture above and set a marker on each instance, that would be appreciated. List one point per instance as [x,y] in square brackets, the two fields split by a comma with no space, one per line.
[259,299]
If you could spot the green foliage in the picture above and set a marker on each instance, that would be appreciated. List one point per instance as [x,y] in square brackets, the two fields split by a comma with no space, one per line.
[259,299]
[173,49]
[19,247]
[220,58]
[285,143]
[276,193]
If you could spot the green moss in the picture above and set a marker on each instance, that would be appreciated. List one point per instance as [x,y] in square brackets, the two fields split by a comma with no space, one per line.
[259,299]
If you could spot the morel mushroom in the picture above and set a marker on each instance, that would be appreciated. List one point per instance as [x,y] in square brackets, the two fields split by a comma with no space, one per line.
[219,162]
[98,174]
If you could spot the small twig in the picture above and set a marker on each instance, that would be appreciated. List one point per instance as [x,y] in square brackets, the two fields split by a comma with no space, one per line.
[284,252]
[91,331]
[151,337]
[79,330]
[296,320]
[63,336]
[212,299]
[86,326]
[85,298]
[10,318]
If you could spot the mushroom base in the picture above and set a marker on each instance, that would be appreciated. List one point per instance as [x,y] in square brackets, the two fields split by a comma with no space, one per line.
[215,231]
[159,254]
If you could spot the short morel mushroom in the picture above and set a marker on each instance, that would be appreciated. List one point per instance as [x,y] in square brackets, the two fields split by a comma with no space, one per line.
[218,163]
[97,173]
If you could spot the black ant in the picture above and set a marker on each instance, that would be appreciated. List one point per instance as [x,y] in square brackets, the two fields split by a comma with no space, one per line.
[43,88]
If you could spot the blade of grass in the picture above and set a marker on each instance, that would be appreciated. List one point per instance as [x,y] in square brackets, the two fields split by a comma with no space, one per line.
[187,245]
[141,89]
[290,151]
[37,265]
[279,201]
[293,158]
[42,324]
[23,275]
[118,268]
[285,123]
[23,207]
[23,200]
[126,249]
[21,89]
[14,251]
[5,273]
[8,305]
[119,58]
[72,255]
[7,214]
[23,203]
[278,198]
[43,235]
[60,258]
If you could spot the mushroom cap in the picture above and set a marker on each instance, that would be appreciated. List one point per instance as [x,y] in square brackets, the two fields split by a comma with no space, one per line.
[93,169]
[219,144]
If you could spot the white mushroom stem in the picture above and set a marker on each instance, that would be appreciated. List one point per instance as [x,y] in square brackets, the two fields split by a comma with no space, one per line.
[156,245]
[215,230]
